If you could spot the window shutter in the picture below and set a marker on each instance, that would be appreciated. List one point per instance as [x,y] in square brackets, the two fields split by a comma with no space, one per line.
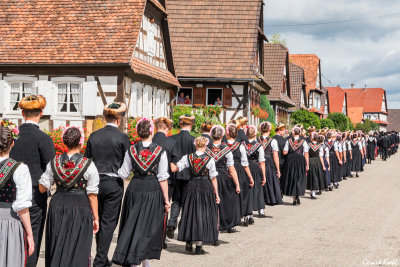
[198,97]
[46,89]
[227,99]
[2,96]
[89,96]
[146,93]
[133,96]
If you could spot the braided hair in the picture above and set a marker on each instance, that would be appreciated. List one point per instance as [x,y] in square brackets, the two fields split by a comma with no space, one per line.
[72,137]
[6,139]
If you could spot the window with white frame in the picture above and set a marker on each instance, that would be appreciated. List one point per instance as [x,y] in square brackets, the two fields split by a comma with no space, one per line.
[317,101]
[185,96]
[69,96]
[18,91]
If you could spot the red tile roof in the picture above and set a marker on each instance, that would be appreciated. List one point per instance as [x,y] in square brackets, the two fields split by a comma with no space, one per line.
[368,98]
[310,64]
[355,114]
[73,32]
[275,56]
[336,97]
[215,38]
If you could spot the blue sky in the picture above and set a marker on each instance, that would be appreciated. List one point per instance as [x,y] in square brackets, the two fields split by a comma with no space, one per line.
[360,52]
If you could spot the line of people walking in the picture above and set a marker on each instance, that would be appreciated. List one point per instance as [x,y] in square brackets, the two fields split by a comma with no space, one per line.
[199,186]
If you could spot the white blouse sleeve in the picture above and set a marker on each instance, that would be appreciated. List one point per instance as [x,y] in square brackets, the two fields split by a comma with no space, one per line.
[261,154]
[339,147]
[306,147]
[344,146]
[274,145]
[326,152]
[163,168]
[243,156]
[349,146]
[23,182]
[321,152]
[212,170]
[335,146]
[125,171]
[47,178]
[92,177]
[360,146]
[286,147]
[183,163]
[229,159]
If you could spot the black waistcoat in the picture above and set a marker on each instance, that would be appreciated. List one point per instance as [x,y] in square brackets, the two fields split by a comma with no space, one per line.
[107,148]
[8,189]
[34,148]
[185,146]
[242,137]
[170,147]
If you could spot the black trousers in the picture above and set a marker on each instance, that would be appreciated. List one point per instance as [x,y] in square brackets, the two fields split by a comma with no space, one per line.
[37,214]
[111,190]
[176,203]
[385,153]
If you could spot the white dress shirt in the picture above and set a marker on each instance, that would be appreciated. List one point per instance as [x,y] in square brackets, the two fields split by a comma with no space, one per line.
[91,176]
[23,183]
[125,171]
[184,163]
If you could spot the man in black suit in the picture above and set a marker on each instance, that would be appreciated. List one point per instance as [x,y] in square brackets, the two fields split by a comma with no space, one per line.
[35,149]
[385,146]
[107,147]
[184,142]
[163,126]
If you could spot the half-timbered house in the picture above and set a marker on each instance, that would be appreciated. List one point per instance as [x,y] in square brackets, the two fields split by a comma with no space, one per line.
[297,87]
[314,90]
[277,74]
[218,54]
[82,55]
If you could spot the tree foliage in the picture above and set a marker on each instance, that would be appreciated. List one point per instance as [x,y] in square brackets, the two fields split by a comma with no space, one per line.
[276,38]
[327,123]
[306,118]
[340,121]
[367,126]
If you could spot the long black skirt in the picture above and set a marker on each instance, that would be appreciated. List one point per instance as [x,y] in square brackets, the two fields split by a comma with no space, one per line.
[142,223]
[229,207]
[348,163]
[293,180]
[69,230]
[246,207]
[315,175]
[272,190]
[357,161]
[257,193]
[371,151]
[335,171]
[199,219]
[327,172]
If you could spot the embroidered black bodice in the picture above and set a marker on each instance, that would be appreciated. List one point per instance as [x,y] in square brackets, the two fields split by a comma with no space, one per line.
[296,146]
[252,149]
[145,160]
[235,149]
[314,149]
[266,142]
[198,165]
[354,145]
[218,153]
[331,146]
[8,189]
[68,172]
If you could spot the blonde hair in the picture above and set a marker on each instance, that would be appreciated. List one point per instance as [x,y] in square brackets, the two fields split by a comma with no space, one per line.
[200,141]
[251,131]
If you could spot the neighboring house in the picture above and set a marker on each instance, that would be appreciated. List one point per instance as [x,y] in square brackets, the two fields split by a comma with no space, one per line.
[374,104]
[312,71]
[394,120]
[297,87]
[337,99]
[277,74]
[356,114]
[82,55]
[218,53]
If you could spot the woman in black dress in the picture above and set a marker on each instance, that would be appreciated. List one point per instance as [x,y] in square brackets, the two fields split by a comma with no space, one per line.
[334,159]
[255,155]
[15,200]
[241,164]
[199,219]
[293,180]
[145,207]
[228,183]
[272,191]
[73,216]
[347,147]
[315,176]
[357,151]
[371,144]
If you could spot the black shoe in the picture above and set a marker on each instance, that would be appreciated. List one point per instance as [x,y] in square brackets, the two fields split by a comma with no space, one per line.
[199,250]
[330,189]
[357,175]
[313,197]
[319,193]
[294,202]
[352,176]
[251,221]
[189,247]
[231,230]
[245,222]
[165,246]
[261,216]
[344,178]
[215,244]
[108,263]
[298,200]
[336,186]
[170,232]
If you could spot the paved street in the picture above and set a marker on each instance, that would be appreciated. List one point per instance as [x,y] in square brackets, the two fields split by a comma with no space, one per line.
[354,225]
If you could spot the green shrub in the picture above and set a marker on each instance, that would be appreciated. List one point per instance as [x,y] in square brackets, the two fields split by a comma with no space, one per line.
[306,118]
[340,121]
[327,123]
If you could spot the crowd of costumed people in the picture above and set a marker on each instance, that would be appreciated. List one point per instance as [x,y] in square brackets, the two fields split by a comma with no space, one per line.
[198,186]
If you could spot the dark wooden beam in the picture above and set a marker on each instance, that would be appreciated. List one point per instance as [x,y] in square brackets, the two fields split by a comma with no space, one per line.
[101,92]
